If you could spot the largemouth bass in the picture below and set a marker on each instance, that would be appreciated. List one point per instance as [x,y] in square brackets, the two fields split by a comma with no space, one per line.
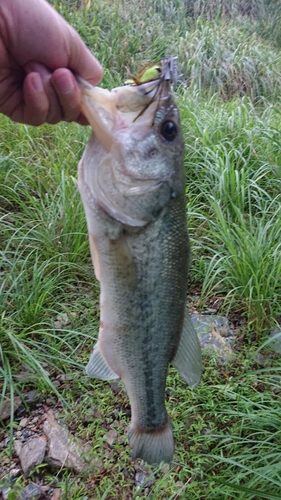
[132,184]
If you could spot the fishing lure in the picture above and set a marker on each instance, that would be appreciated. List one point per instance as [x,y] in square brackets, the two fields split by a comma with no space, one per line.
[166,71]
[151,71]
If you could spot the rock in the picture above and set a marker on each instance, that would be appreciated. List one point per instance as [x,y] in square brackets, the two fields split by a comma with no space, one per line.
[210,310]
[61,321]
[144,478]
[17,446]
[50,401]
[2,446]
[111,437]
[263,360]
[31,492]
[8,406]
[179,484]
[215,335]
[165,468]
[96,463]
[32,453]
[56,495]
[63,449]
[4,493]
[27,433]
[23,422]
[14,473]
[115,387]
[32,397]
[63,377]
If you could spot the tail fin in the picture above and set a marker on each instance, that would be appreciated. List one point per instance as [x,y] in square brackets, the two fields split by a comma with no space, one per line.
[153,446]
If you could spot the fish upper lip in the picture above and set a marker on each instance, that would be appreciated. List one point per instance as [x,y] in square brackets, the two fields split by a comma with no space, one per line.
[108,111]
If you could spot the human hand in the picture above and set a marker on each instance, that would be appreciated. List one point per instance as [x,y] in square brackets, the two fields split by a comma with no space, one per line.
[38,52]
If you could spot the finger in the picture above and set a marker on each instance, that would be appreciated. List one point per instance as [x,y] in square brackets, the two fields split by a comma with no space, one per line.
[36,104]
[55,112]
[68,93]
[82,62]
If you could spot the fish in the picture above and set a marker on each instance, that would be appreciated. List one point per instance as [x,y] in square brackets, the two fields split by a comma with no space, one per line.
[132,183]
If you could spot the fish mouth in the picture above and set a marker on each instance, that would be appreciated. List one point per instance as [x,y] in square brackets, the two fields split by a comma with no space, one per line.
[109,111]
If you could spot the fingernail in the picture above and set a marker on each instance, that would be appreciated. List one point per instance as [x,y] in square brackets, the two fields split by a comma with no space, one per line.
[65,84]
[36,82]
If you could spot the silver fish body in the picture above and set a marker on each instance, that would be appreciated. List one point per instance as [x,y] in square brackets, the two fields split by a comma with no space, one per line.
[132,183]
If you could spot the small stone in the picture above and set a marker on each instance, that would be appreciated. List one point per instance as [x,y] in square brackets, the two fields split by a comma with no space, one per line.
[17,446]
[32,453]
[210,310]
[2,444]
[14,473]
[140,478]
[31,492]
[224,332]
[63,318]
[18,433]
[56,383]
[111,437]
[179,484]
[215,335]
[34,420]
[24,422]
[45,488]
[20,412]
[263,360]
[61,321]
[32,397]
[97,463]
[50,401]
[144,479]
[27,433]
[63,449]
[65,376]
[165,469]
[56,495]
[8,406]
[5,493]
[115,387]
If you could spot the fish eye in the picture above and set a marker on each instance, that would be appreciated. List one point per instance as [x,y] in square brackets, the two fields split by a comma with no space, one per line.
[169,130]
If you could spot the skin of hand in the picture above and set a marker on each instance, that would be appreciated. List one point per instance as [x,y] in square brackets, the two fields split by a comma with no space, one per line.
[39,51]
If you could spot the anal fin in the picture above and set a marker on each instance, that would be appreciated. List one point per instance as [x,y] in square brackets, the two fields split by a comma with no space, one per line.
[98,367]
[188,360]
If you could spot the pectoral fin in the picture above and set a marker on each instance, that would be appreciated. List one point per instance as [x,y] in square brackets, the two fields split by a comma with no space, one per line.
[98,368]
[95,256]
[187,360]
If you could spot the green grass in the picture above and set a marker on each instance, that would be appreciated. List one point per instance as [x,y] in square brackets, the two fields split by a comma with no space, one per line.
[227,431]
